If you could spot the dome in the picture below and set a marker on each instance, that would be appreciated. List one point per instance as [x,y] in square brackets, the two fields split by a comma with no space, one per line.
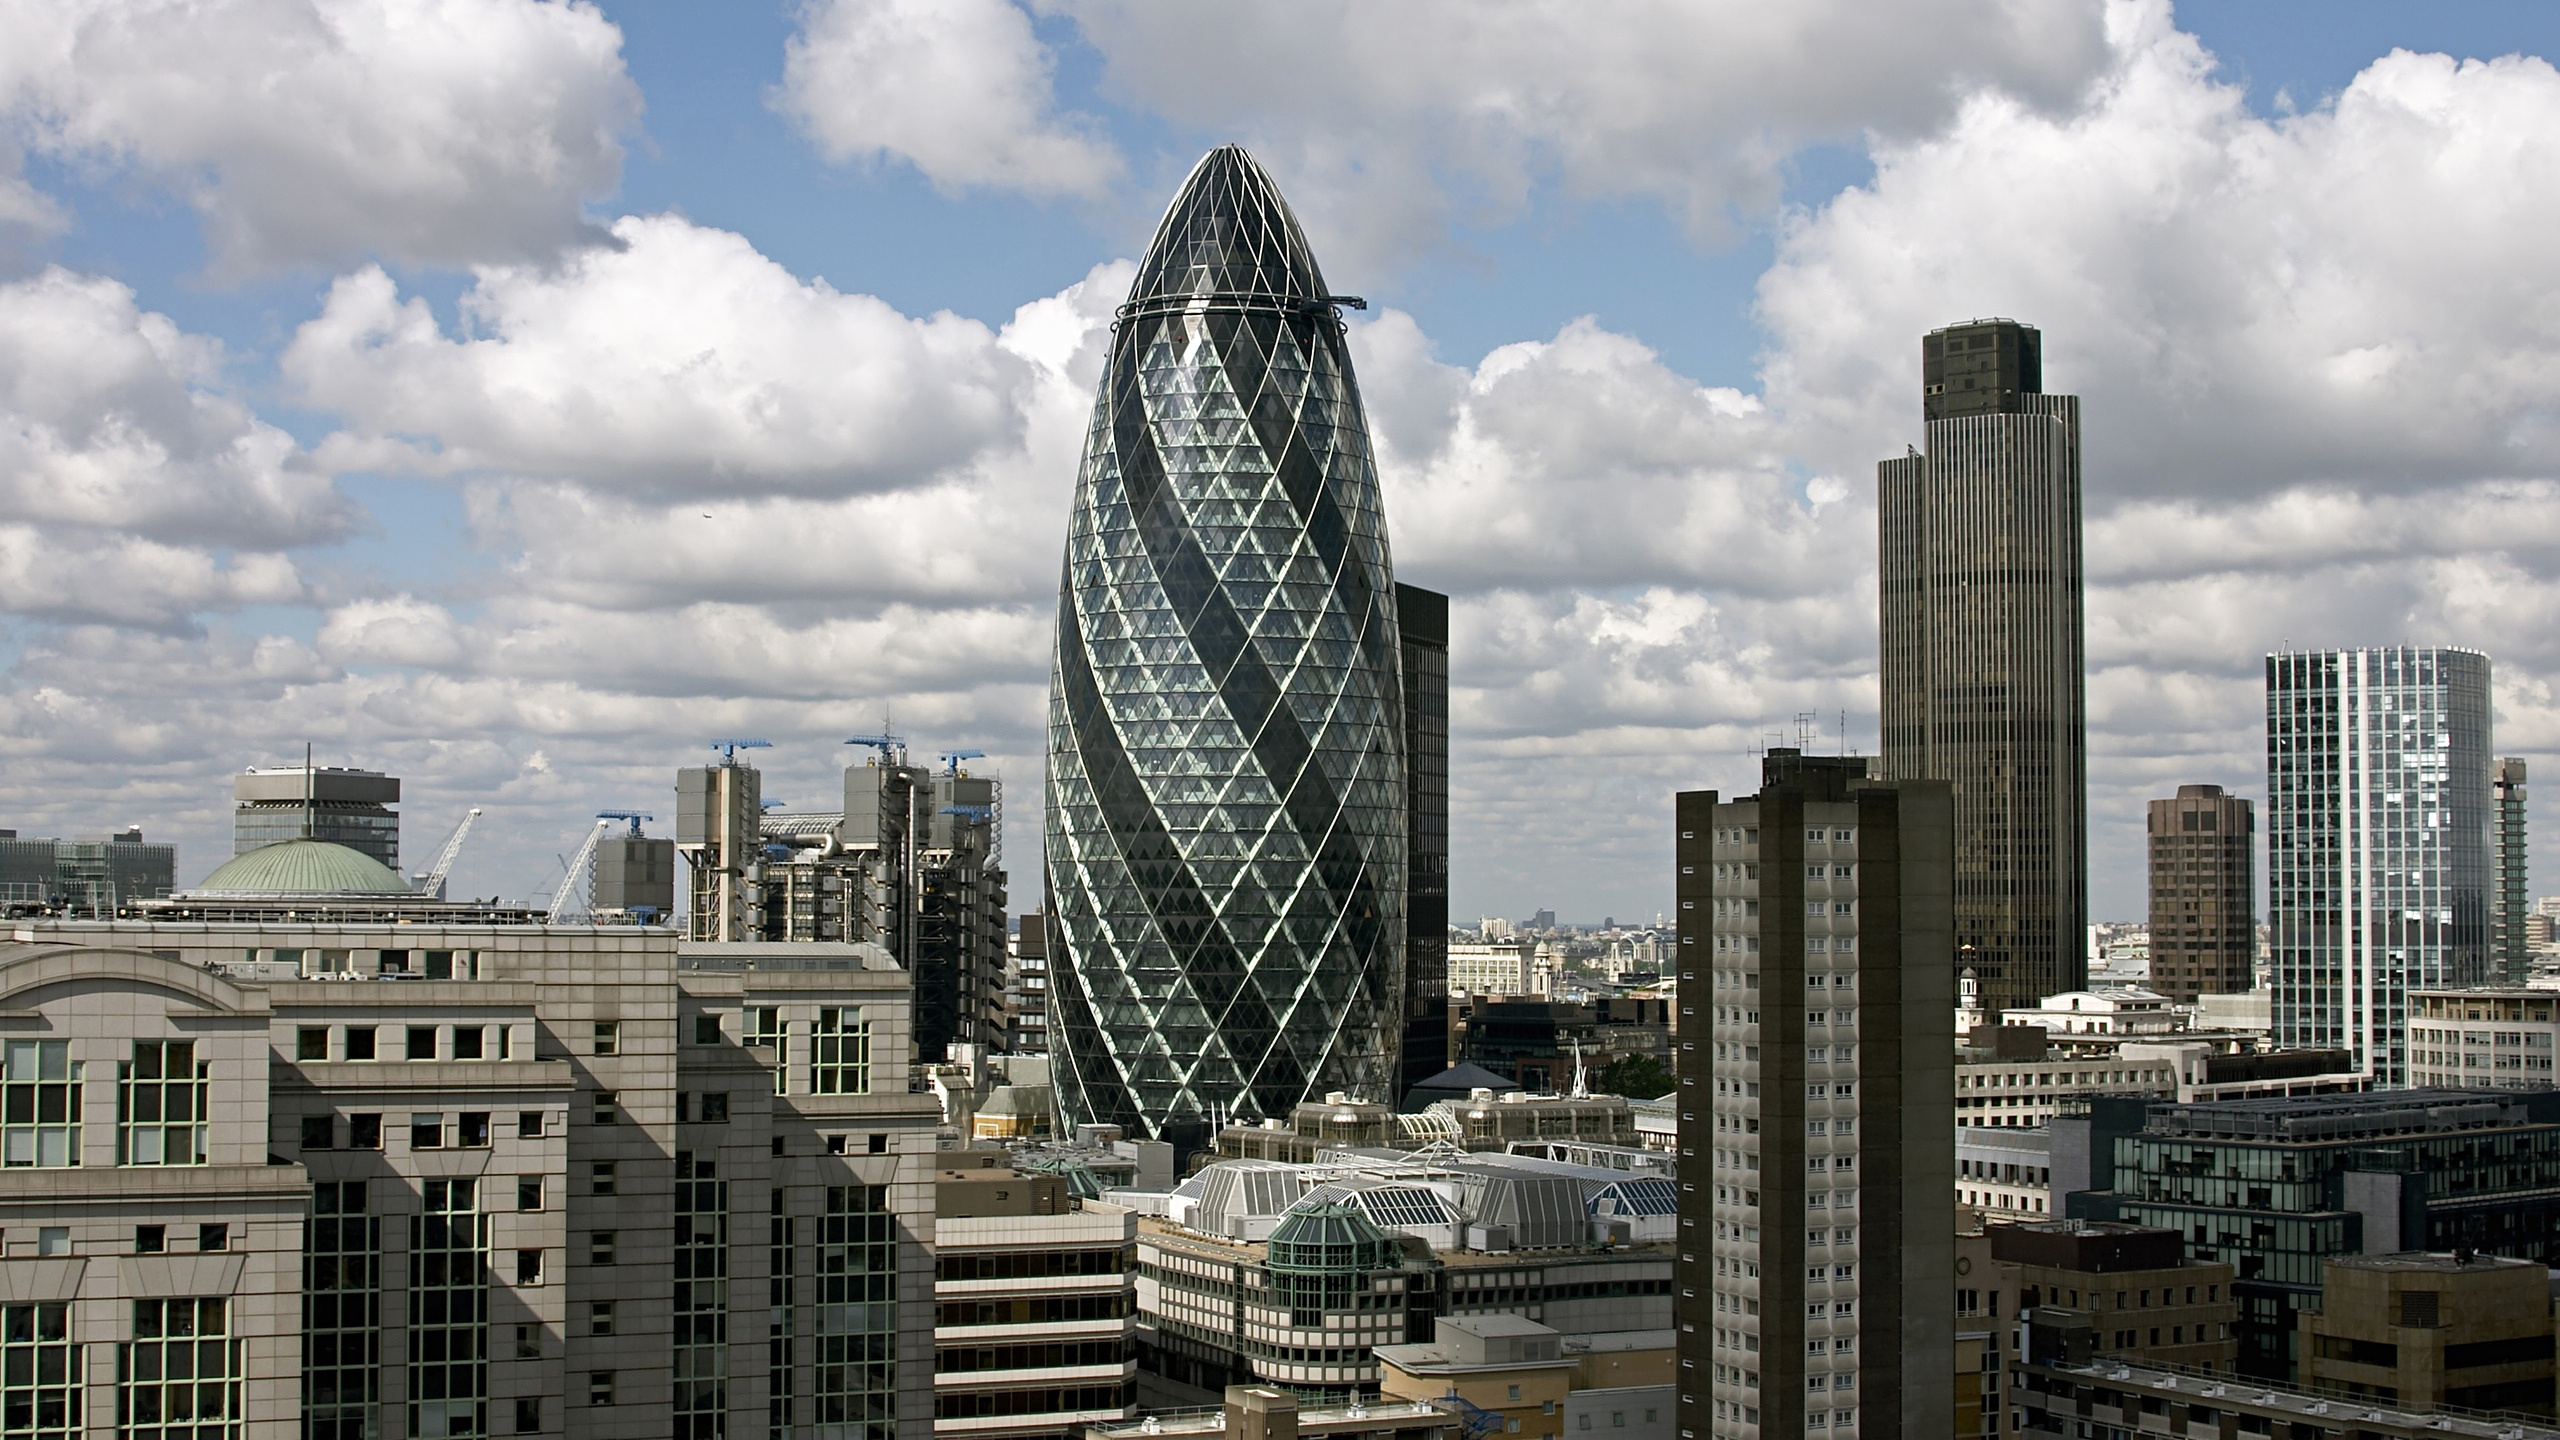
[303,867]
[1323,1233]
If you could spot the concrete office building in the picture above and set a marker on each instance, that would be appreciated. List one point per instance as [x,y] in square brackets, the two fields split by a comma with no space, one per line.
[1979,567]
[2508,941]
[94,875]
[2490,1037]
[2204,920]
[317,802]
[1537,1381]
[1498,968]
[1817,998]
[2423,1331]
[1027,986]
[1422,628]
[2379,833]
[578,1180]
[1035,1315]
[1227,838]
[2146,1301]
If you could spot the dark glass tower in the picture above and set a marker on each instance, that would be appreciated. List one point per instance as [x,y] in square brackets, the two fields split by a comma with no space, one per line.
[1979,566]
[1424,618]
[1226,793]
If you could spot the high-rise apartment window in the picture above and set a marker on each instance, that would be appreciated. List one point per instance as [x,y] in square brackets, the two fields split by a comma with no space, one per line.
[210,1238]
[40,1105]
[857,1307]
[319,1132]
[528,1192]
[311,1042]
[764,1027]
[529,1415]
[600,1387]
[600,1247]
[600,1178]
[606,1113]
[160,1104]
[474,1130]
[360,1042]
[608,1037]
[150,1239]
[528,1124]
[468,1042]
[422,1042]
[706,1029]
[449,1311]
[702,1296]
[840,1052]
[426,1132]
[364,1132]
[42,1374]
[179,1377]
[600,1317]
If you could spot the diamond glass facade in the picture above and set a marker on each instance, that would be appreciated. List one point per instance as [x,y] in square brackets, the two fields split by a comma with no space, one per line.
[1226,789]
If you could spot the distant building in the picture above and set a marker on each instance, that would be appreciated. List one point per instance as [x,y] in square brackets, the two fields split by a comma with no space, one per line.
[2507,938]
[2422,1331]
[2379,830]
[322,802]
[2005,1174]
[1538,1380]
[1027,987]
[1494,968]
[94,876]
[1979,571]
[2491,1037]
[2204,927]
[1422,620]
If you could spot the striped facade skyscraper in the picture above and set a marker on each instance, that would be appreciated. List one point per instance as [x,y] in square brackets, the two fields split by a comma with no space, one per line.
[1226,789]
[1979,564]
[2380,842]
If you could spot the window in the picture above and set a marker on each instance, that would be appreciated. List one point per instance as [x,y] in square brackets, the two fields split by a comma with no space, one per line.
[600,1387]
[608,1037]
[359,1042]
[528,1342]
[311,1042]
[426,1132]
[1515,1392]
[467,1041]
[150,1239]
[840,1052]
[879,1145]
[605,1112]
[528,1192]
[715,1109]
[422,1042]
[319,1132]
[600,1178]
[41,1373]
[449,1331]
[180,1374]
[528,1415]
[160,1103]
[475,1130]
[528,1124]
[364,1132]
[528,1267]
[210,1238]
[600,1247]
[706,1029]
[600,1317]
[53,1241]
[40,1105]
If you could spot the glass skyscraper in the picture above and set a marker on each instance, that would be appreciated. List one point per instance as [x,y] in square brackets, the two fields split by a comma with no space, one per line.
[2379,860]
[1226,789]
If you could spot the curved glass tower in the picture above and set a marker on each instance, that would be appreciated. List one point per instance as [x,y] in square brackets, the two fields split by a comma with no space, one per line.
[1226,846]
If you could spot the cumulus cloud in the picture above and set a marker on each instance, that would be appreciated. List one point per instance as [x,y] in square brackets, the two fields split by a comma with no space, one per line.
[679,361]
[2255,304]
[960,89]
[429,131]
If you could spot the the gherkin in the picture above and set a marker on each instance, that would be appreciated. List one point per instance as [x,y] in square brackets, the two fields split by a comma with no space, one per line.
[1226,848]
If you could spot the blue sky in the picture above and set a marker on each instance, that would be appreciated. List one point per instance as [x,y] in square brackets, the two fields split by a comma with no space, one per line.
[1643,298]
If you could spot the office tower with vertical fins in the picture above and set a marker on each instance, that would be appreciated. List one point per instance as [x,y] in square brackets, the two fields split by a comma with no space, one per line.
[2204,917]
[1226,832]
[1423,619]
[2379,842]
[1979,564]
[2514,954]
[1817,1106]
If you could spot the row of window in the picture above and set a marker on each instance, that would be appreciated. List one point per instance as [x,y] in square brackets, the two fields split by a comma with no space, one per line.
[417,1042]
[162,1095]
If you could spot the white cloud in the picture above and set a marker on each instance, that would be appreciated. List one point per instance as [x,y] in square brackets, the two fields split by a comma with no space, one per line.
[1387,122]
[429,131]
[678,363]
[960,89]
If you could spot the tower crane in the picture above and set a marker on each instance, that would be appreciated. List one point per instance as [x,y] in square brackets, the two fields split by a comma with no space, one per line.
[892,747]
[633,816]
[571,890]
[729,748]
[432,881]
[951,759]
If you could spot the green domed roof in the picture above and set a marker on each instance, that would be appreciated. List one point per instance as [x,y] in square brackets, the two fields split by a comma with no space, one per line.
[304,867]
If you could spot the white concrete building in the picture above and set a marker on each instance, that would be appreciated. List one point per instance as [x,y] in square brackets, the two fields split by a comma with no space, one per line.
[2491,1037]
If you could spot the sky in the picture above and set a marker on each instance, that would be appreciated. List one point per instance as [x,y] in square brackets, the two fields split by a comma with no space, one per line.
[518,396]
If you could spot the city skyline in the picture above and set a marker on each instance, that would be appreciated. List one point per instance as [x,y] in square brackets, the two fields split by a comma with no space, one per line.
[525,519]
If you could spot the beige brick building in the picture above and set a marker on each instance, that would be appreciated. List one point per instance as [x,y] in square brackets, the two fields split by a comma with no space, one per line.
[426,1170]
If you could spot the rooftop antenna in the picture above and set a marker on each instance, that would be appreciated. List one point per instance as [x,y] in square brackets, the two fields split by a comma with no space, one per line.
[1808,728]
